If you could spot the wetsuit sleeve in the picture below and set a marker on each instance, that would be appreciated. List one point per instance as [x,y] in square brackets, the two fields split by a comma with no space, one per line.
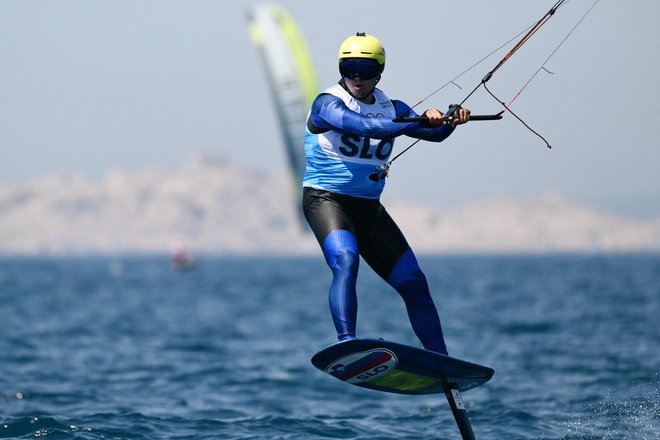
[329,112]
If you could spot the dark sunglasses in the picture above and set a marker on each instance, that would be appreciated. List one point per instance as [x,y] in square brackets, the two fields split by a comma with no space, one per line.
[358,68]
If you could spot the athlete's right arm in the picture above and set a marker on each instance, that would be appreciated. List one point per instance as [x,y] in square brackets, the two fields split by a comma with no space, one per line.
[329,112]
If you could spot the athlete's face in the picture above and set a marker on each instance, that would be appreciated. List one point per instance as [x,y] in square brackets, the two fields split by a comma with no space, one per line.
[361,88]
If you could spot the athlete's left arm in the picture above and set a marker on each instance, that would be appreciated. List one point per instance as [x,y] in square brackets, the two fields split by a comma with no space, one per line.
[419,131]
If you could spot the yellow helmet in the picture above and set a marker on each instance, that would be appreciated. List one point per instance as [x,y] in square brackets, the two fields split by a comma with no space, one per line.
[365,46]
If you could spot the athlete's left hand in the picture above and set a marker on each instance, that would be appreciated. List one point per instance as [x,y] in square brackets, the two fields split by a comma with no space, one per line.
[461,116]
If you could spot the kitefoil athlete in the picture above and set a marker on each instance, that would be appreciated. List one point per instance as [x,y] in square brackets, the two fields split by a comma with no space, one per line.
[349,136]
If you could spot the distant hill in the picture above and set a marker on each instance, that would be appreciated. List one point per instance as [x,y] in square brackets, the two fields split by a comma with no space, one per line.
[212,205]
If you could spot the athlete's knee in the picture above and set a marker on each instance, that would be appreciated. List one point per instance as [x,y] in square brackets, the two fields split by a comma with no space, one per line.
[341,252]
[347,263]
[407,277]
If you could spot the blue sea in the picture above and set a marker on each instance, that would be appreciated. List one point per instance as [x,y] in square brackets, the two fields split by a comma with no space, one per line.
[126,348]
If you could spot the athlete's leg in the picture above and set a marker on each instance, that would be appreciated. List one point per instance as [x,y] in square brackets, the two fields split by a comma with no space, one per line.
[409,280]
[388,253]
[333,229]
[341,254]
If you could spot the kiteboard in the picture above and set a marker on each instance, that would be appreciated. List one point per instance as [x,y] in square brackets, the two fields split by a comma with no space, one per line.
[391,367]
[396,368]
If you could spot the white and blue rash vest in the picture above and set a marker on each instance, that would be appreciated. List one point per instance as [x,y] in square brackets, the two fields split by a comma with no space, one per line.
[346,140]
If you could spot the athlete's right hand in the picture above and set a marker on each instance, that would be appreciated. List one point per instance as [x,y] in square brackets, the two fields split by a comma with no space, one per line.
[435,117]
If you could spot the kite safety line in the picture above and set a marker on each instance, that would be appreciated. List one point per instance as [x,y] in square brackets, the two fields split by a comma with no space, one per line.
[381,172]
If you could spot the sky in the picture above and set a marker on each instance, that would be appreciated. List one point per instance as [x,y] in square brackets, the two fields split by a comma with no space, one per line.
[87,87]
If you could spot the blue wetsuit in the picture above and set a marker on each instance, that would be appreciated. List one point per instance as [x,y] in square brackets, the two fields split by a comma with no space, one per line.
[345,141]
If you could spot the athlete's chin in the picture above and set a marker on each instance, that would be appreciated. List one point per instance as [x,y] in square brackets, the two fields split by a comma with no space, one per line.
[360,92]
